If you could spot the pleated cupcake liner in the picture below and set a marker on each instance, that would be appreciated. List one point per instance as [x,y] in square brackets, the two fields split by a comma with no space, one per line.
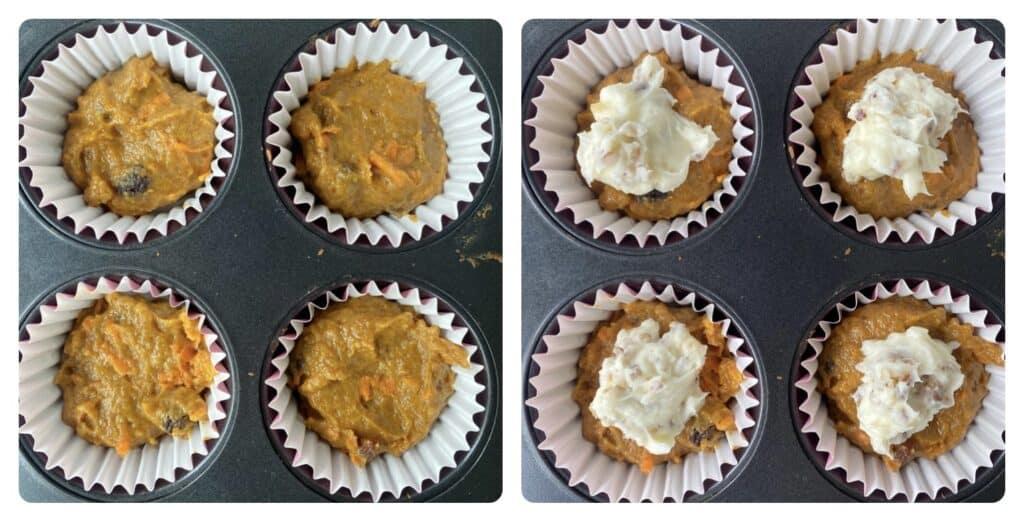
[40,400]
[922,476]
[978,76]
[455,94]
[55,89]
[387,474]
[558,415]
[564,95]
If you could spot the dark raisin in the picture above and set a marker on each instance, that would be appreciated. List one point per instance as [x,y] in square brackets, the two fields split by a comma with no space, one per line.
[133,182]
[654,195]
[700,436]
[171,424]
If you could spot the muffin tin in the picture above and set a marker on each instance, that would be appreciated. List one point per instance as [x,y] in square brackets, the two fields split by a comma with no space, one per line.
[250,264]
[773,260]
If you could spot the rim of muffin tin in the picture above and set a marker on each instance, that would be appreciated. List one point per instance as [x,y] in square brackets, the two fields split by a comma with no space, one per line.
[754,434]
[488,397]
[202,463]
[489,105]
[195,46]
[808,441]
[583,232]
[847,226]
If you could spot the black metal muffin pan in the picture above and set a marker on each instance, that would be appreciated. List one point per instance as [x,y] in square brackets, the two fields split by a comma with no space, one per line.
[773,261]
[249,263]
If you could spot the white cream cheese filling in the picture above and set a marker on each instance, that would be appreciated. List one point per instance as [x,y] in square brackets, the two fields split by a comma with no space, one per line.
[638,143]
[908,377]
[899,121]
[650,386]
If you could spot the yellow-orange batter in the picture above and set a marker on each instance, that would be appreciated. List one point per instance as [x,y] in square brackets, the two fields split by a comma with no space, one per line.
[372,376]
[371,142]
[139,141]
[132,371]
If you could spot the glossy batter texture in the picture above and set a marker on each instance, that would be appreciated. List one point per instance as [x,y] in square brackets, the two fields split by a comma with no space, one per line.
[695,101]
[132,371]
[371,142]
[838,377]
[719,378]
[139,141]
[372,376]
[885,197]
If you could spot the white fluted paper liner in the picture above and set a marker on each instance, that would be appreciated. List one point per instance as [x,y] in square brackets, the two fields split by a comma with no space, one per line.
[564,95]
[40,403]
[450,91]
[387,473]
[558,416]
[921,476]
[55,93]
[978,76]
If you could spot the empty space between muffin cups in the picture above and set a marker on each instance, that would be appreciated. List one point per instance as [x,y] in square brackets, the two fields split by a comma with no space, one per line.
[51,92]
[451,86]
[556,416]
[58,447]
[921,477]
[978,75]
[563,94]
[441,450]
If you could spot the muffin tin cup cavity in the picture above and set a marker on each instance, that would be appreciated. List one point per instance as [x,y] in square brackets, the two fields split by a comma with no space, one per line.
[556,417]
[450,84]
[51,92]
[427,462]
[561,94]
[93,468]
[979,76]
[923,478]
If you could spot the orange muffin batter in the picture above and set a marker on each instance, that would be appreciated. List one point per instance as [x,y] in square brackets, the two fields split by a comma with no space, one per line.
[371,142]
[884,197]
[838,377]
[372,376]
[139,141]
[132,371]
[695,101]
[719,378]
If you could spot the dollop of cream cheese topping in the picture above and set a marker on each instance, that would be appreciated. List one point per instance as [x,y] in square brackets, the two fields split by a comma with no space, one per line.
[650,386]
[899,121]
[908,377]
[637,142]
